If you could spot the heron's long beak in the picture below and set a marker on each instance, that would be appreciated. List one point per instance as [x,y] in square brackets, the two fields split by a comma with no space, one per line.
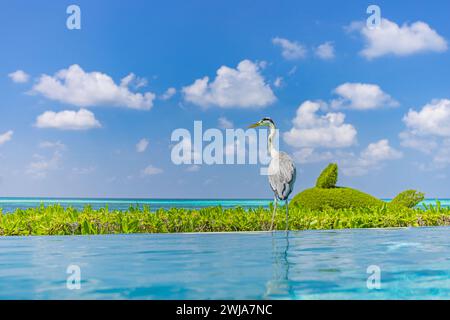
[254,125]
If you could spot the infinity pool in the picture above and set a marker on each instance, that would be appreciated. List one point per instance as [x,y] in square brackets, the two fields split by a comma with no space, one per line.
[414,264]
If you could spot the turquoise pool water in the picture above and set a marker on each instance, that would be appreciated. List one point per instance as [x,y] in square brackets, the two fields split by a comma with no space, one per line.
[414,264]
[10,204]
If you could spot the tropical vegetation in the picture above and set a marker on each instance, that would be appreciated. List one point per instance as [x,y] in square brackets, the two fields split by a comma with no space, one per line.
[56,220]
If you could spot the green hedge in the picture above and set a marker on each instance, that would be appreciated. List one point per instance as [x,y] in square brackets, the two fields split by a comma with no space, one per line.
[329,176]
[408,198]
[336,198]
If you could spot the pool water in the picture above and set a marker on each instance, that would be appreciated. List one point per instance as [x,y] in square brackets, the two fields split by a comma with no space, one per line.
[414,263]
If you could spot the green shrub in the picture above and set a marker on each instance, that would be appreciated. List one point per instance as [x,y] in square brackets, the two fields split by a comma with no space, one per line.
[336,198]
[56,220]
[408,198]
[328,178]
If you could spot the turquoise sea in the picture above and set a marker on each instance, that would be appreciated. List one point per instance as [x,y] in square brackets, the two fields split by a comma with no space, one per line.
[410,263]
[10,204]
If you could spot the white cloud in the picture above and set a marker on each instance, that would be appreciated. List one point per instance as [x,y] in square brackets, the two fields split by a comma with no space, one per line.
[361,96]
[151,170]
[290,50]
[370,158]
[313,130]
[40,166]
[19,76]
[68,120]
[132,80]
[432,119]
[379,151]
[79,88]
[325,51]
[142,145]
[428,130]
[408,39]
[224,123]
[170,92]
[243,87]
[5,137]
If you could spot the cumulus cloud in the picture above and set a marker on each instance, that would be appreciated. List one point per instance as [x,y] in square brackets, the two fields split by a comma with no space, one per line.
[391,39]
[290,50]
[170,92]
[319,135]
[428,130]
[372,157]
[5,137]
[432,119]
[151,170]
[224,123]
[79,88]
[311,129]
[361,96]
[142,145]
[68,120]
[243,87]
[379,151]
[19,76]
[325,51]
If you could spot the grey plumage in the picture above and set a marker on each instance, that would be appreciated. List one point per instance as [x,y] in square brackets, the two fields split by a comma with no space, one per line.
[282,179]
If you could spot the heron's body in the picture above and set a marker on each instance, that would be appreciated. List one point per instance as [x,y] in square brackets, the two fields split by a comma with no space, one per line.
[282,172]
[282,180]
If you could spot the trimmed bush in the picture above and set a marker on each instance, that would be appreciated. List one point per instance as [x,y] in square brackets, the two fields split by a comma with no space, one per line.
[327,195]
[328,178]
[335,198]
[408,198]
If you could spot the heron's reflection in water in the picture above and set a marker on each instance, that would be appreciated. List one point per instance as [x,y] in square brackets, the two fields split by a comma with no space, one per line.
[279,286]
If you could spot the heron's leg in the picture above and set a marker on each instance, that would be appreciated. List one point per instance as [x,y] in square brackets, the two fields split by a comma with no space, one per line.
[273,213]
[287,215]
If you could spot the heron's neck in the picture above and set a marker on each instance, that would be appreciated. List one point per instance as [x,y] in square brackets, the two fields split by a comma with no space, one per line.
[272,151]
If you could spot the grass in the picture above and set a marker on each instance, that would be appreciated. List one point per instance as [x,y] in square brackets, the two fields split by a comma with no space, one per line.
[56,220]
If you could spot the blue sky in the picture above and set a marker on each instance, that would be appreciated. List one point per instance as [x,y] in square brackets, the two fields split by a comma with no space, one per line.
[375,101]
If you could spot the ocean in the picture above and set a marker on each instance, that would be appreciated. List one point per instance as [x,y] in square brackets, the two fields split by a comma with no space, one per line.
[10,204]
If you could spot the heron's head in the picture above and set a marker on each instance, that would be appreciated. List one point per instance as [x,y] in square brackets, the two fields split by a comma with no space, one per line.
[264,122]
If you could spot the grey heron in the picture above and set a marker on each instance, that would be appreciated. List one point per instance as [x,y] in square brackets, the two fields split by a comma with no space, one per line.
[282,172]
